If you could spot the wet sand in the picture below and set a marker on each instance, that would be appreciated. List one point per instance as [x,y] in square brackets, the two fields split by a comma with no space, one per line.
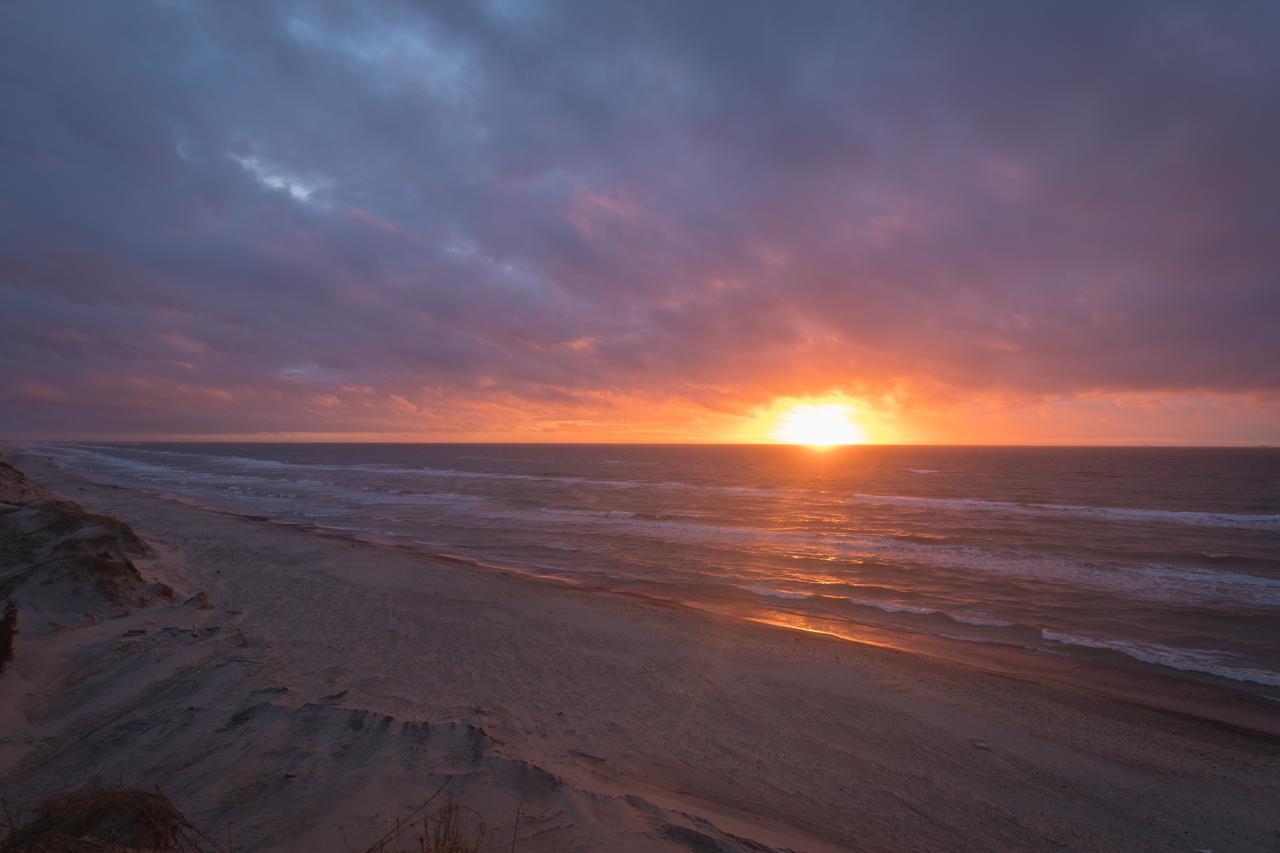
[331,685]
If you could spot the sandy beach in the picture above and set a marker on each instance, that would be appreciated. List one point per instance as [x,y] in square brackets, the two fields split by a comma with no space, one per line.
[321,687]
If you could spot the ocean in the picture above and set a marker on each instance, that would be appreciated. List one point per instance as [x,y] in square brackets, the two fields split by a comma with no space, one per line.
[1155,563]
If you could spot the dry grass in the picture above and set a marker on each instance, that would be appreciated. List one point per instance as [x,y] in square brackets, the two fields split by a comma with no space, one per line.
[103,819]
[8,627]
[450,828]
[448,831]
[16,488]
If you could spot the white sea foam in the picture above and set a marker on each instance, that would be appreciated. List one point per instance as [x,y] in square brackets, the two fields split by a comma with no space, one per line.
[761,589]
[589,513]
[981,621]
[921,610]
[1152,582]
[254,463]
[890,607]
[1190,660]
[1210,519]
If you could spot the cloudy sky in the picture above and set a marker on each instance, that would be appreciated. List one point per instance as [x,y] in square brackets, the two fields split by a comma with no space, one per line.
[640,221]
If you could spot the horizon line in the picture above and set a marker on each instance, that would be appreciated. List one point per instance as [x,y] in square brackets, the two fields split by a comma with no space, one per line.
[412,442]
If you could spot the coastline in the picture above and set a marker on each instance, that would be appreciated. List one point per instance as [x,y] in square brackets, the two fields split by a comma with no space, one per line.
[1234,698]
[370,672]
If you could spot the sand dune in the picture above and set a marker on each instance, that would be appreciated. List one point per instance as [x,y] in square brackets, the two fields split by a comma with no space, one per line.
[17,489]
[61,562]
[322,687]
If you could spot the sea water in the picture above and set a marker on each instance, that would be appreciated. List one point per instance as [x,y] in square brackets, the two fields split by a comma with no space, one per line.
[1160,559]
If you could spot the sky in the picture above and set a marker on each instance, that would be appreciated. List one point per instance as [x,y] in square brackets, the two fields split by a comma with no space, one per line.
[980,222]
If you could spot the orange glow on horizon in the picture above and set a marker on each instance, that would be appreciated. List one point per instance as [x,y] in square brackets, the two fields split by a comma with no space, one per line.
[757,414]
[819,425]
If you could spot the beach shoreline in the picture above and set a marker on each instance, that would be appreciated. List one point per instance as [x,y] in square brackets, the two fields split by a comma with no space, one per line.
[618,723]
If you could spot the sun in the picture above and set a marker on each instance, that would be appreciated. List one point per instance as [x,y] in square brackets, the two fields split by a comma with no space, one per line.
[819,425]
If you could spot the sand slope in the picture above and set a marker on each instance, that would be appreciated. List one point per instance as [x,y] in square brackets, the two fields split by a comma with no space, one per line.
[331,685]
[59,562]
[18,489]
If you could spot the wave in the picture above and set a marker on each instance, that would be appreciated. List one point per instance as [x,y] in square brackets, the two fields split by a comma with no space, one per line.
[590,513]
[1210,519]
[457,473]
[860,554]
[1188,660]
[889,607]
[1148,581]
[980,621]
[831,562]
[761,589]
[175,476]
[920,610]
[1107,513]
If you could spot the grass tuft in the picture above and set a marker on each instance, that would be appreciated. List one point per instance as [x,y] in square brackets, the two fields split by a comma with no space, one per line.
[447,832]
[8,627]
[451,828]
[105,818]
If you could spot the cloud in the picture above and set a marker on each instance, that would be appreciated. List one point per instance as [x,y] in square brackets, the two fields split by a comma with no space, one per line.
[221,217]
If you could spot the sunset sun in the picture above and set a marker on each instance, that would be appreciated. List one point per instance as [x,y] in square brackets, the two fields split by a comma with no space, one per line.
[819,425]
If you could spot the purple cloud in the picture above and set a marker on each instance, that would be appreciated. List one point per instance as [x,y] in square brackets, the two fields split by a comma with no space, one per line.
[362,217]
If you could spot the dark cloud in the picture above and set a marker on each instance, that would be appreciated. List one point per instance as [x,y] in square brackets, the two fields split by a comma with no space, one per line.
[286,217]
